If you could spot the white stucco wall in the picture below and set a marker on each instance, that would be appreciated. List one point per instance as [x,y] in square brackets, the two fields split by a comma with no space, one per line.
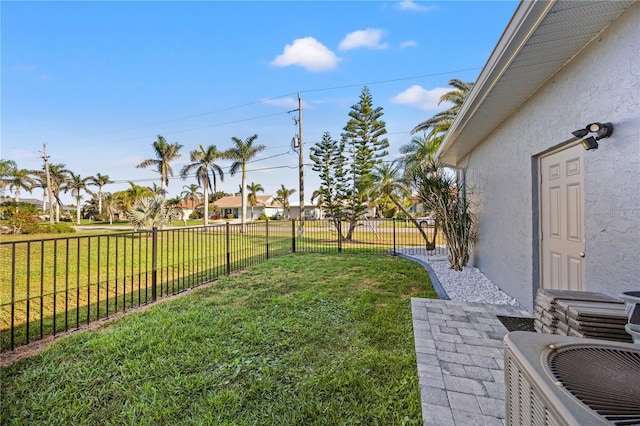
[601,84]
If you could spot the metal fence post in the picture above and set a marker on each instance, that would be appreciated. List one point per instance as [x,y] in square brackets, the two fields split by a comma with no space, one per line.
[266,223]
[293,235]
[154,263]
[228,249]
[394,237]
[339,229]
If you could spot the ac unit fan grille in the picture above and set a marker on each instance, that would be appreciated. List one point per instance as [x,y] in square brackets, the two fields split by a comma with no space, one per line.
[607,380]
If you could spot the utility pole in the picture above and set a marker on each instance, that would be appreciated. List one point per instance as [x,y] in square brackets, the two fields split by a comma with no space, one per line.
[297,143]
[45,157]
[301,167]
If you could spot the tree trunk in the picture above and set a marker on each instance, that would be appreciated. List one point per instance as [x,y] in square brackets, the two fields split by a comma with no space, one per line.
[206,206]
[352,227]
[243,194]
[430,245]
[57,210]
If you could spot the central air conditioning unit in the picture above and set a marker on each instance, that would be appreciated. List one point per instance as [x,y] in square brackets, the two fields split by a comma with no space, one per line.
[561,380]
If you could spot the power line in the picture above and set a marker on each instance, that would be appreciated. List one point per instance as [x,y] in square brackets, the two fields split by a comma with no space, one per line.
[200,114]
[193,175]
[207,126]
[265,100]
[388,81]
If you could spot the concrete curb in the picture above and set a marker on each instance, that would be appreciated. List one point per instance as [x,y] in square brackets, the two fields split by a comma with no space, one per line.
[437,286]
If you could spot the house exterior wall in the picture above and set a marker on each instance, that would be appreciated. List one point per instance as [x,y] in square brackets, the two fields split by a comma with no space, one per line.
[601,84]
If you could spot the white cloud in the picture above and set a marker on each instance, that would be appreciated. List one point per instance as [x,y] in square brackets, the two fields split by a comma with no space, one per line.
[409,43]
[369,38]
[413,6]
[281,102]
[307,53]
[422,98]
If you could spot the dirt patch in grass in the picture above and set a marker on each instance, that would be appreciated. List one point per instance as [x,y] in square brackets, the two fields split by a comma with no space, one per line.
[412,291]
[368,284]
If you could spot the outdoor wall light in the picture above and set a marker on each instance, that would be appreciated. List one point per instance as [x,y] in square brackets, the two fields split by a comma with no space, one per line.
[602,130]
[589,143]
[580,133]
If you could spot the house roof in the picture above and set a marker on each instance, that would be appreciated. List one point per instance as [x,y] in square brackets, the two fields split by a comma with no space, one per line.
[236,201]
[541,38]
[189,204]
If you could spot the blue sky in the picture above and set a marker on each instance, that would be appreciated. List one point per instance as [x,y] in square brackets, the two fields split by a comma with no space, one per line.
[98,81]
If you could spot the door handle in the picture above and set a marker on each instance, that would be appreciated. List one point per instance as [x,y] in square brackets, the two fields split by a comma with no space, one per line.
[582,254]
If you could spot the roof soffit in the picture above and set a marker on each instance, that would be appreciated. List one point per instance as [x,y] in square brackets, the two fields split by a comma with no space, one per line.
[539,40]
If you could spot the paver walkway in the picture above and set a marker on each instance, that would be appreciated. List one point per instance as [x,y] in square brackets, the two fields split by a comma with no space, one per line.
[460,359]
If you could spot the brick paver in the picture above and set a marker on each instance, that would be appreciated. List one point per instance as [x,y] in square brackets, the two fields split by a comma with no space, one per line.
[460,361]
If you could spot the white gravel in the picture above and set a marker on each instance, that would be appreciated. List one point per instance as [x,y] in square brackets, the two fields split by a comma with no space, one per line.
[468,285]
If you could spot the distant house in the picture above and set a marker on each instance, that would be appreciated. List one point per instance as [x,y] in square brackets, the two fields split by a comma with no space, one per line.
[311,210]
[551,214]
[187,207]
[232,205]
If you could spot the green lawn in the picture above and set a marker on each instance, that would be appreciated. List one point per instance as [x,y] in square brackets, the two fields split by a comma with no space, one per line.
[302,339]
[60,283]
[89,277]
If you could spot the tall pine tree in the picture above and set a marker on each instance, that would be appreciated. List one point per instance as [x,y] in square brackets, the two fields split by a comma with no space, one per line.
[328,161]
[363,140]
[346,167]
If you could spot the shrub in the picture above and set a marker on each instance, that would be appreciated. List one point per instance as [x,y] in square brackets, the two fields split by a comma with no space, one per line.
[56,228]
[9,208]
[23,222]
[104,217]
[230,216]
[196,215]
[442,193]
[262,216]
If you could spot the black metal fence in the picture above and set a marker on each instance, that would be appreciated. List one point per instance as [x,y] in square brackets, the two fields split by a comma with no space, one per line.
[54,285]
[375,236]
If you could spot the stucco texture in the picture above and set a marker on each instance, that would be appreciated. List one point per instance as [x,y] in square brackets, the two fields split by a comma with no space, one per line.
[600,84]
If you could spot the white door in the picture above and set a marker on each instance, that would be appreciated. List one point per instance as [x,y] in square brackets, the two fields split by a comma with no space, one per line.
[562,219]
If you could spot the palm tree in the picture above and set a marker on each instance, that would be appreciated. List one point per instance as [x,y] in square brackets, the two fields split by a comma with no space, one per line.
[76,184]
[241,154]
[151,212]
[7,168]
[114,203]
[203,162]
[417,152]
[100,181]
[192,194]
[388,182]
[436,126]
[155,189]
[165,153]
[41,183]
[59,176]
[20,179]
[135,193]
[254,188]
[318,193]
[174,201]
[282,198]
